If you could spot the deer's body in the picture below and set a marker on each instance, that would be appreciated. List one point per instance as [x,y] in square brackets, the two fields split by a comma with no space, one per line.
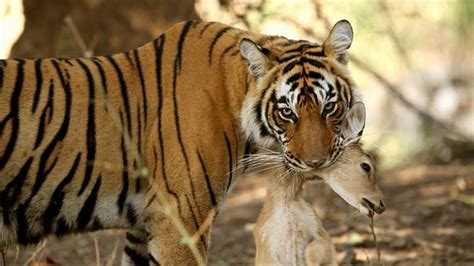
[288,230]
[288,227]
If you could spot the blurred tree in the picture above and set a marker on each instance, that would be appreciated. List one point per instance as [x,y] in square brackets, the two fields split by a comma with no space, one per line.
[107,26]
[12,22]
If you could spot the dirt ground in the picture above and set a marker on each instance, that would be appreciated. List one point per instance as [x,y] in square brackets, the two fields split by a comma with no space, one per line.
[429,221]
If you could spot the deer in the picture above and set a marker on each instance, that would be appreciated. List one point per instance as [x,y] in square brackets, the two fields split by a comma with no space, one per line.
[289,232]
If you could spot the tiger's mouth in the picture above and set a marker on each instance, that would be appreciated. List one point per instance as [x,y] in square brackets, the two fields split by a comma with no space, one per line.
[295,165]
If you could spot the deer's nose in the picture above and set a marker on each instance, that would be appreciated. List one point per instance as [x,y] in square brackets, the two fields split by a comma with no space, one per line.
[377,208]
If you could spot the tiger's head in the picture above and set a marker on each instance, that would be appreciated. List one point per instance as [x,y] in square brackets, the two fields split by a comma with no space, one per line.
[305,102]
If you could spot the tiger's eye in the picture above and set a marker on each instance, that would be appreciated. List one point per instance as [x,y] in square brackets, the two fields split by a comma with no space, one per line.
[329,106]
[287,114]
[286,111]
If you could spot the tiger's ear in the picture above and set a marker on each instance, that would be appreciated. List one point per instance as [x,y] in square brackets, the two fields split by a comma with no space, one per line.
[338,41]
[255,56]
[354,122]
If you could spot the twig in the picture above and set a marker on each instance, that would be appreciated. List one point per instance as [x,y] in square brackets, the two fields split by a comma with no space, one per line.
[87,53]
[4,261]
[17,255]
[186,238]
[205,225]
[113,255]
[371,225]
[97,252]
[37,251]
[320,14]
[402,52]
[446,127]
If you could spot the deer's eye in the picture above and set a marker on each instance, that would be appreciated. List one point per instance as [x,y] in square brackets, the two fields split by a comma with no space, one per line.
[366,167]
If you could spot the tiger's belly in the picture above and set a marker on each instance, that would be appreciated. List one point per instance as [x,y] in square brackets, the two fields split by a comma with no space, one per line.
[57,209]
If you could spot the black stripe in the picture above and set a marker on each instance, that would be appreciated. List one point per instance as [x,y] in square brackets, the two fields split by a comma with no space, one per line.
[288,58]
[182,37]
[123,193]
[226,50]
[8,198]
[142,83]
[134,239]
[233,45]
[234,53]
[177,67]
[39,83]
[293,78]
[331,91]
[152,259]
[58,138]
[23,233]
[258,117]
[313,62]
[218,35]
[289,66]
[96,225]
[65,60]
[136,257]
[3,64]
[129,59]
[132,214]
[13,115]
[159,44]
[138,185]
[139,143]
[231,162]
[270,114]
[298,50]
[103,79]
[91,134]
[46,113]
[205,28]
[247,153]
[123,90]
[87,209]
[62,227]
[293,42]
[56,201]
[318,53]
[314,75]
[208,182]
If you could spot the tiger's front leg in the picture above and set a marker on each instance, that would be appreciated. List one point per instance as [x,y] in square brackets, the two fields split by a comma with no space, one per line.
[136,247]
[166,245]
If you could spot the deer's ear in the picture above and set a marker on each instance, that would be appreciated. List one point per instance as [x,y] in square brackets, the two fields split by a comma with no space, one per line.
[255,56]
[353,123]
[338,41]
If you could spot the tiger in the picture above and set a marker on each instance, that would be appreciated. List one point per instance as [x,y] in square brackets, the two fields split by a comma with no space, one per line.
[122,141]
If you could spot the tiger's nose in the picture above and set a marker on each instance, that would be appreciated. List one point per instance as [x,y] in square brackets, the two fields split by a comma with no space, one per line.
[314,163]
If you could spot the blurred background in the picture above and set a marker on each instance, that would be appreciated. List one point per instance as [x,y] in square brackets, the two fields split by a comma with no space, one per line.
[414,62]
